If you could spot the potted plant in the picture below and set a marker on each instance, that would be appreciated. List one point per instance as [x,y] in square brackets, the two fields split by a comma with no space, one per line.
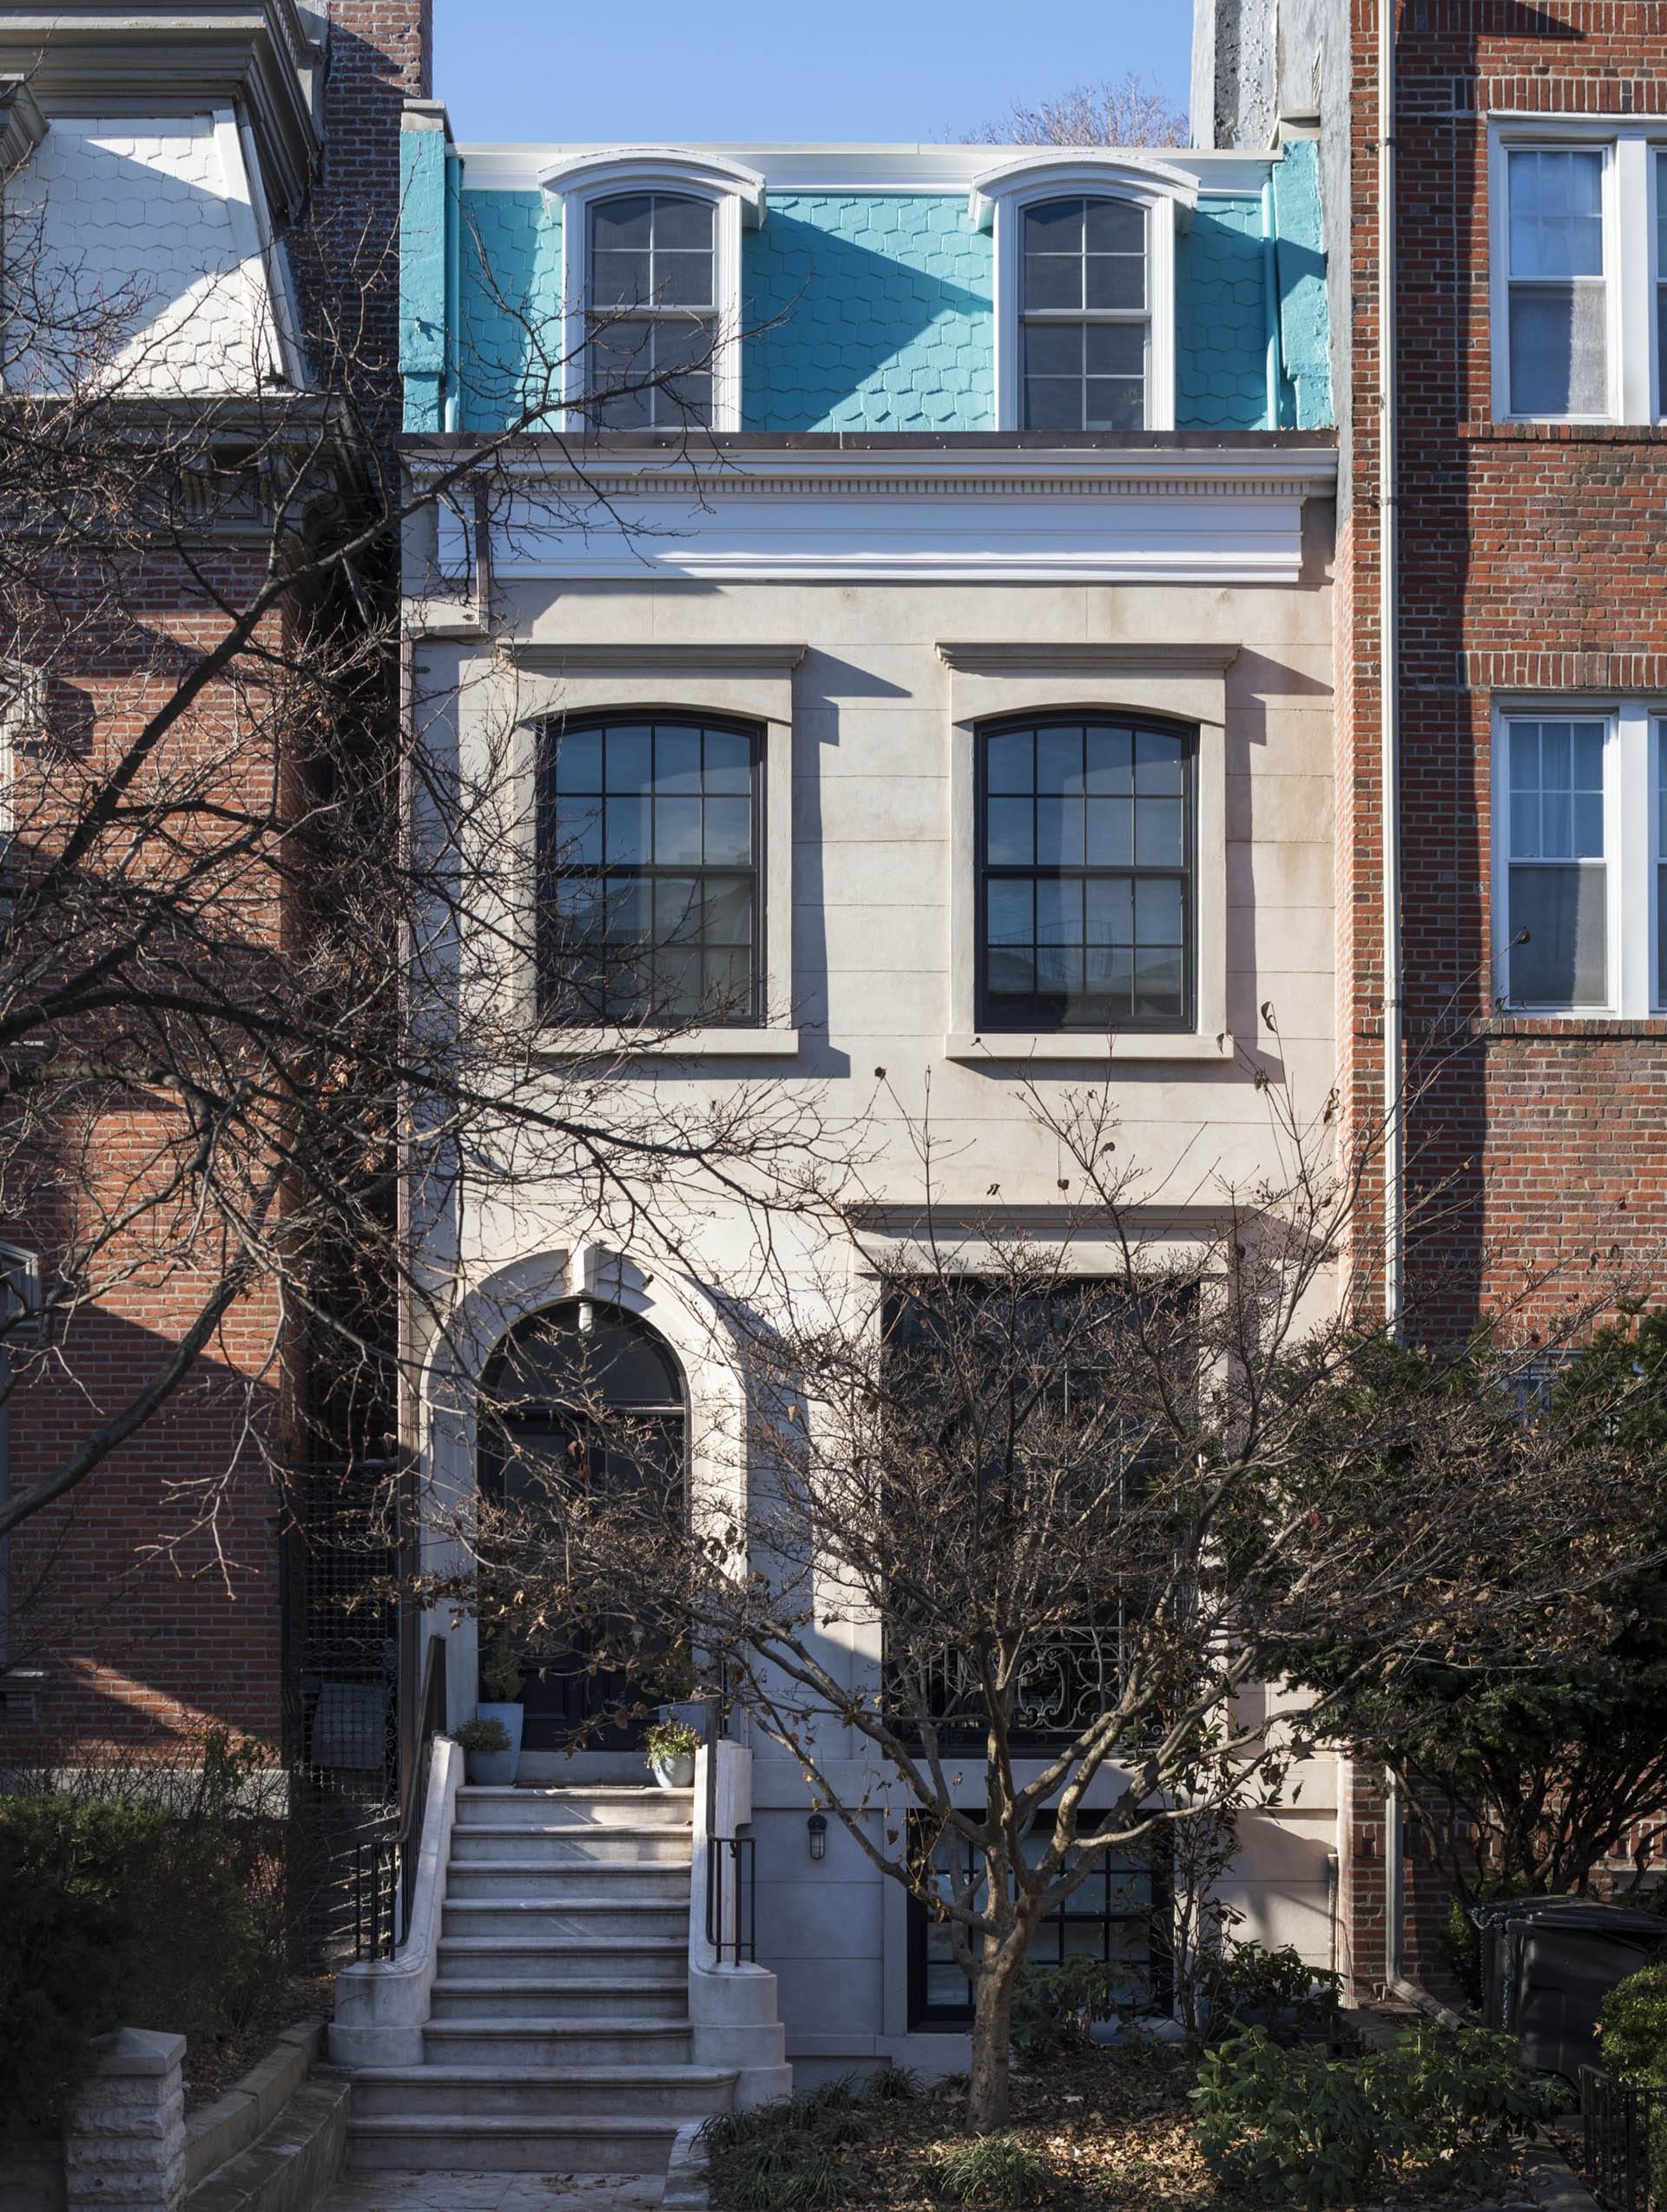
[500,1700]
[487,1748]
[669,1747]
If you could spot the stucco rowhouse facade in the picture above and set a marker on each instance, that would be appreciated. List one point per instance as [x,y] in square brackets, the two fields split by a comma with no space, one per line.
[902,526]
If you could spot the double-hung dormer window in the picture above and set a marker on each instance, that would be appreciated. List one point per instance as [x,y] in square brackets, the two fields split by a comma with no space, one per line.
[1085,321]
[1084,288]
[651,275]
[651,315]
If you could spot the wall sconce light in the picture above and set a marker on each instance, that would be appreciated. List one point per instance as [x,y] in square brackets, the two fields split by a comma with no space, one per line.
[816,1830]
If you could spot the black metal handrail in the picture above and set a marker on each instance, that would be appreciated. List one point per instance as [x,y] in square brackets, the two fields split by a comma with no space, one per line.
[731,1928]
[385,1853]
[1623,2128]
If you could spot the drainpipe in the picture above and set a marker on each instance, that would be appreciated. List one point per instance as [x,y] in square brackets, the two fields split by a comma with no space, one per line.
[1394,1881]
[1388,665]
[451,420]
[1270,295]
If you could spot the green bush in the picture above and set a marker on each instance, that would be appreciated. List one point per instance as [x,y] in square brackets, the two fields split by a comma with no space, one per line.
[1634,2027]
[1055,2007]
[1286,2126]
[1277,1989]
[490,1734]
[73,1878]
[782,2154]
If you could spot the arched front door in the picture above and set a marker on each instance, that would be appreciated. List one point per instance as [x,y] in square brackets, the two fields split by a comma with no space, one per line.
[583,1394]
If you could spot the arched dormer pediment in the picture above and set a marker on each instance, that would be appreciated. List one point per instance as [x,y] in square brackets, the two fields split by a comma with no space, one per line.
[1078,168]
[659,168]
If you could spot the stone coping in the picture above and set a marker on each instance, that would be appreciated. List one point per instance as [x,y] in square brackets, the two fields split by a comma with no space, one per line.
[246,2110]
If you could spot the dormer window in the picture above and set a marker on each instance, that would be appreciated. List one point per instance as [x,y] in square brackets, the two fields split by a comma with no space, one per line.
[1085,329]
[1084,288]
[651,264]
[651,314]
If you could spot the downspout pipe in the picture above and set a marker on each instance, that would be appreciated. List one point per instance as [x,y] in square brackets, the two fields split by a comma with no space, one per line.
[1389,676]
[452,419]
[1270,296]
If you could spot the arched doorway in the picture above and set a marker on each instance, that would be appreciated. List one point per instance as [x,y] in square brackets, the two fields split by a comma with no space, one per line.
[584,1394]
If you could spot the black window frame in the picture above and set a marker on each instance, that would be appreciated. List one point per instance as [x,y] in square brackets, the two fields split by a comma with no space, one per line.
[985,872]
[551,869]
[926,2018]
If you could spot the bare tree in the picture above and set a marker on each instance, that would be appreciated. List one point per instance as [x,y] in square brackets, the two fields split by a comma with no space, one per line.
[241,1020]
[1018,1525]
[1134,112]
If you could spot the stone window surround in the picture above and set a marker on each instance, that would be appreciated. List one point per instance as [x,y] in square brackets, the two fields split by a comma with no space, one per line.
[737,195]
[1637,382]
[752,683]
[997,203]
[1185,682]
[1633,771]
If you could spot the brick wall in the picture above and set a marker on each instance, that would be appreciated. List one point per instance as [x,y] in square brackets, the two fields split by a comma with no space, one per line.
[1529,557]
[138,1642]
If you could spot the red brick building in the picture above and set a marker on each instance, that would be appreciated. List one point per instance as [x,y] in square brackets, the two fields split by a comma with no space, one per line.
[261,141]
[1495,181]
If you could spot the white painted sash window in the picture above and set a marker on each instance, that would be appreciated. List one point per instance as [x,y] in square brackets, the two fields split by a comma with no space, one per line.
[652,312]
[1580,277]
[1580,851]
[1085,324]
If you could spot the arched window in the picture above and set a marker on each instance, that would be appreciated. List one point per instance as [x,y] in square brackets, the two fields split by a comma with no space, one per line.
[651,311]
[1084,314]
[1086,874]
[651,906]
[580,1396]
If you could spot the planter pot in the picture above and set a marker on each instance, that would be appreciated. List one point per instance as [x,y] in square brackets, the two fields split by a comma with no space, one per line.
[673,1773]
[497,1767]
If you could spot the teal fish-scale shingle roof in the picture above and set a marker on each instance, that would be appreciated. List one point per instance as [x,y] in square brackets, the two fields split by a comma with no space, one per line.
[867,313]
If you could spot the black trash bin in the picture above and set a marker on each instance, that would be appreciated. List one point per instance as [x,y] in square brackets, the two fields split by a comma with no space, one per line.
[1548,1963]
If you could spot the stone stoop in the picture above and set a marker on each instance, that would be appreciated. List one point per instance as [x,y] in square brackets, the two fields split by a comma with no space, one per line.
[558,2036]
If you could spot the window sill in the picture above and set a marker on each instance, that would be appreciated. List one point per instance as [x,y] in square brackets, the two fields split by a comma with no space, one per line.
[1569,1025]
[651,1044]
[1080,1048]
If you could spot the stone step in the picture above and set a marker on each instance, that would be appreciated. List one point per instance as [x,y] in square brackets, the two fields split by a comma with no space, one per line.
[588,1917]
[611,1996]
[576,2046]
[544,1843]
[622,1881]
[579,2142]
[605,1806]
[486,2091]
[524,1957]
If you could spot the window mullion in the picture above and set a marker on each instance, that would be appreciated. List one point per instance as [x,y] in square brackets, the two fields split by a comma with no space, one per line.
[1630,840]
[1630,231]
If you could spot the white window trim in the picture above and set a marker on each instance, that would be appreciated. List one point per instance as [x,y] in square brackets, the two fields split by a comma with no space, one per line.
[1186,683]
[997,202]
[750,683]
[737,196]
[1630,271]
[1633,770]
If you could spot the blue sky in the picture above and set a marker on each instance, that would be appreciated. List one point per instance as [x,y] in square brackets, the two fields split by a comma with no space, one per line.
[672,72]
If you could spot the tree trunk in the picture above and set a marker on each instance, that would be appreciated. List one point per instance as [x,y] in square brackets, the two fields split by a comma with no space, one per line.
[988,2092]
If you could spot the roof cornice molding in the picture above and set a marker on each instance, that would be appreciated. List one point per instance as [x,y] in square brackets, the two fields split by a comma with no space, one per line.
[1093,168]
[97,58]
[650,166]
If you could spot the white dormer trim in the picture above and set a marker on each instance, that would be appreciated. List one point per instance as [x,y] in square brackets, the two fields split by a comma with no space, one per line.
[996,199]
[739,199]
[1037,175]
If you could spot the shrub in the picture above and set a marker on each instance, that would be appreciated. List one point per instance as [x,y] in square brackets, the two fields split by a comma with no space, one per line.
[500,1672]
[992,2169]
[1284,2126]
[1634,2027]
[1274,1989]
[481,1736]
[669,1739]
[72,1878]
[1055,2007]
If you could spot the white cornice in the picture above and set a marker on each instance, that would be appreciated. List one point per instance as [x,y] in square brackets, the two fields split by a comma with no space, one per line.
[649,167]
[889,169]
[1068,658]
[641,657]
